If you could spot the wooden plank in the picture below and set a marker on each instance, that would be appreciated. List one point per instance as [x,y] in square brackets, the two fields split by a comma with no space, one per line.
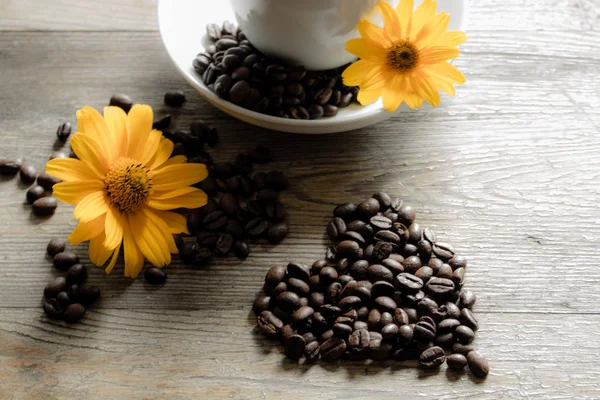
[219,353]
[498,178]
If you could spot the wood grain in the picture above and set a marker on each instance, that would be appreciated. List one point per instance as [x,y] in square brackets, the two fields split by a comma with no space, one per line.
[507,171]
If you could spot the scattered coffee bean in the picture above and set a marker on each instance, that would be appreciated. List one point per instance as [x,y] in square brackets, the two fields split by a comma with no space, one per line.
[54,287]
[64,131]
[456,362]
[9,167]
[122,101]
[77,274]
[27,173]
[478,364]
[47,181]
[65,260]
[74,312]
[175,99]
[34,193]
[432,357]
[155,276]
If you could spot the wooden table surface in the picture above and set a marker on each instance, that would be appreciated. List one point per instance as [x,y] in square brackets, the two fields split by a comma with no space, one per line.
[508,172]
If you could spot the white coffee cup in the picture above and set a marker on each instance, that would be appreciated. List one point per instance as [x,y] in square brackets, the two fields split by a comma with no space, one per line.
[312,33]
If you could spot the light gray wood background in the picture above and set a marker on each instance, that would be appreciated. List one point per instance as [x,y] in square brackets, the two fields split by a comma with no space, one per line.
[507,172]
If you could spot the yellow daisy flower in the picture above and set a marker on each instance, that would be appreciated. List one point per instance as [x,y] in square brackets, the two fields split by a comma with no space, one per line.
[407,59]
[123,185]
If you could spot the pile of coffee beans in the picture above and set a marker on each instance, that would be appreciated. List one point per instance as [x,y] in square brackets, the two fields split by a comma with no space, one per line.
[233,69]
[387,289]
[67,297]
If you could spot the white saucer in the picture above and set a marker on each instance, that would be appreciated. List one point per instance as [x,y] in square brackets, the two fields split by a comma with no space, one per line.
[182,25]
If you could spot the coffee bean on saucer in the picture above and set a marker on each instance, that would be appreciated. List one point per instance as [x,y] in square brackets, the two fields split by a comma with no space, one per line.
[35,192]
[213,31]
[175,99]
[122,101]
[27,173]
[64,131]
[44,206]
[155,276]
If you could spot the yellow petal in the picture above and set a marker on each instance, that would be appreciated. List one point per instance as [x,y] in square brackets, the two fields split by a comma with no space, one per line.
[113,228]
[92,124]
[90,152]
[74,192]
[86,230]
[393,93]
[176,222]
[356,73]
[424,12]
[139,124]
[366,49]
[195,199]
[150,146]
[113,261]
[435,55]
[373,32]
[404,10]
[169,194]
[446,71]
[174,161]
[164,229]
[134,259]
[368,96]
[391,24]
[376,78]
[425,90]
[451,39]
[98,253]
[164,151]
[70,169]
[175,176]
[91,206]
[432,31]
[116,120]
[148,239]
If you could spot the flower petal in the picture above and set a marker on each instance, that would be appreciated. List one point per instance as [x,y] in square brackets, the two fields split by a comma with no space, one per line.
[91,123]
[139,124]
[113,228]
[426,91]
[432,31]
[116,120]
[98,253]
[424,12]
[368,96]
[74,192]
[150,146]
[369,30]
[148,239]
[86,230]
[70,169]
[164,151]
[134,259]
[451,39]
[91,206]
[393,93]
[176,222]
[90,152]
[435,55]
[194,199]
[113,261]
[404,10]
[366,49]
[164,229]
[169,194]
[391,24]
[176,176]
[356,72]
[174,161]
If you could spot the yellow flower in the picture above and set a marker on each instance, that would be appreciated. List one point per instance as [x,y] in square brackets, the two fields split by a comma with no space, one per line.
[407,59]
[123,185]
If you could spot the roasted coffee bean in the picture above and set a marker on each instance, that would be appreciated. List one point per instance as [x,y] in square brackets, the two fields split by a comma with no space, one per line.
[447,325]
[333,349]
[274,291]
[224,244]
[215,221]
[456,362]
[229,203]
[433,357]
[240,249]
[298,286]
[467,318]
[234,228]
[328,275]
[368,208]
[435,264]
[275,275]
[336,96]
[406,282]
[374,320]
[302,314]
[467,299]
[315,111]
[405,334]
[388,237]
[267,195]
[63,299]
[162,123]
[269,324]
[155,276]
[458,262]
[330,110]
[345,211]
[201,63]
[406,215]
[225,43]
[464,334]
[390,332]
[288,301]
[348,249]
[458,277]
[377,272]
[478,364]
[286,332]
[425,330]
[240,74]
[187,252]
[299,271]
[359,340]
[122,101]
[445,272]
[239,91]
[64,131]
[424,249]
[391,215]
[414,234]
[74,312]
[440,314]
[56,246]
[444,340]
[223,84]
[359,269]
[213,31]
[210,75]
[411,264]
[261,303]
[425,273]
[300,113]
[275,210]
[65,260]
[393,265]
[230,62]
[401,230]
[9,167]
[276,232]
[341,330]
[380,350]
[379,222]
[335,227]
[77,274]
[354,236]
[345,100]
[443,251]
[382,289]
[464,349]
[381,251]
[52,308]
[175,99]
[54,287]
[312,351]
[401,317]
[385,304]
[440,286]
[427,306]
[27,173]
[350,303]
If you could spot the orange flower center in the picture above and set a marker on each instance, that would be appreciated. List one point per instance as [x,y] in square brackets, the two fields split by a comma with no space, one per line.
[127,185]
[403,57]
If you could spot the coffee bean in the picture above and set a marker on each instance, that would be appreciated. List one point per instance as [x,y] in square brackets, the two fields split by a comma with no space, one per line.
[427,306]
[345,100]
[269,324]
[9,167]
[74,312]
[478,364]
[330,110]
[368,208]
[64,131]
[213,31]
[311,351]
[322,96]
[361,227]
[443,251]
[408,282]
[187,252]
[122,101]
[275,275]
[444,340]
[54,287]
[224,244]
[447,325]
[459,348]
[215,221]
[464,334]
[406,215]
[377,272]
[155,276]
[467,299]
[456,362]
[288,301]
[381,251]
[348,249]
[458,262]
[388,237]
[385,304]
[393,265]
[56,246]
[65,260]
[27,173]
[276,232]
[315,111]
[225,43]
[353,236]
[335,227]
[261,303]
[414,234]
[412,264]
[440,286]
[425,329]
[267,195]
[302,314]
[294,347]
[424,249]
[425,273]
[445,272]
[333,349]
[77,274]
[345,211]
[433,357]
[458,277]
[390,332]
[359,340]
[239,92]
[44,206]
[382,289]
[341,330]
[384,200]
[379,222]
[201,63]
[467,318]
